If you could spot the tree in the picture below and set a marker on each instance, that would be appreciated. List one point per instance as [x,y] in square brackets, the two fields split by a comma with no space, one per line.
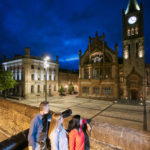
[6,81]
[61,90]
[70,88]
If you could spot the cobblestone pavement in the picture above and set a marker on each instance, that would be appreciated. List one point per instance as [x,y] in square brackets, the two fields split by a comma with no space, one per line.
[98,110]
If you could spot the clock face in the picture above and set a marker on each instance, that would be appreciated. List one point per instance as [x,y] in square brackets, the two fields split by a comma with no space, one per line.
[132,20]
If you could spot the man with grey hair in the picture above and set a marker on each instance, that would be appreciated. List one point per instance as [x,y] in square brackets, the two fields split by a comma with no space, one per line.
[39,127]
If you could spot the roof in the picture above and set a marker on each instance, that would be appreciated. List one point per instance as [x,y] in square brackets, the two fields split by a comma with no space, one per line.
[22,56]
[132,7]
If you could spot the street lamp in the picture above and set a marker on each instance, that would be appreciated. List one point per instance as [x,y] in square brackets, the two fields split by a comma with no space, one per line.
[46,65]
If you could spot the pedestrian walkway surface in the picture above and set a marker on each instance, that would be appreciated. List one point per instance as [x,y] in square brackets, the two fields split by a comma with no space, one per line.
[99,110]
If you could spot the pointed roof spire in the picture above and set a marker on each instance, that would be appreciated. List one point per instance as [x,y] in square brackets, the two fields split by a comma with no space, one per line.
[132,6]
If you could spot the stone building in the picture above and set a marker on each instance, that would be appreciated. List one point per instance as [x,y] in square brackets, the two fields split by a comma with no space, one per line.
[29,73]
[66,77]
[103,75]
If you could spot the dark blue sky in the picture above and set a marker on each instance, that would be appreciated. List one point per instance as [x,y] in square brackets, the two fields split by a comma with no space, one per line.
[62,27]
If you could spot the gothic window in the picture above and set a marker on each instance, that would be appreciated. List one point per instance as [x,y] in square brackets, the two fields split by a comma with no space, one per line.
[129,32]
[97,58]
[107,72]
[95,73]
[86,73]
[132,31]
[107,91]
[85,90]
[32,89]
[96,90]
[136,30]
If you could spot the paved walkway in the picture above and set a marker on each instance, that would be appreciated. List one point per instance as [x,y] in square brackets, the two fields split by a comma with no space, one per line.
[98,110]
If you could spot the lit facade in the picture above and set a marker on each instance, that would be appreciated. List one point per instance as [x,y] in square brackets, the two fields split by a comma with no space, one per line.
[103,75]
[29,73]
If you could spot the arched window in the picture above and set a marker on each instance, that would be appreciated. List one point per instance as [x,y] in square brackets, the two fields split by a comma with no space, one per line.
[132,31]
[136,30]
[129,32]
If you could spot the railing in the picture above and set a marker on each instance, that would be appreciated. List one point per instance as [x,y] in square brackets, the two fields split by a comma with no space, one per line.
[130,102]
[18,141]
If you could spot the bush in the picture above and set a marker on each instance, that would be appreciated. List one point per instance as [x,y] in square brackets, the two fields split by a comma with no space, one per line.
[61,90]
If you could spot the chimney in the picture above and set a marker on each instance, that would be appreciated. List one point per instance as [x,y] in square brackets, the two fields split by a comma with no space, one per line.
[57,59]
[4,58]
[27,51]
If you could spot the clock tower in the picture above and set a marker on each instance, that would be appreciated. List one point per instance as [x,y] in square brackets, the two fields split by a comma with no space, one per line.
[133,51]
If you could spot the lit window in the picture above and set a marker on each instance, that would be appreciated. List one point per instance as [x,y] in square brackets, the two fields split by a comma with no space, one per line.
[140,53]
[126,55]
[86,73]
[129,32]
[132,31]
[20,74]
[136,30]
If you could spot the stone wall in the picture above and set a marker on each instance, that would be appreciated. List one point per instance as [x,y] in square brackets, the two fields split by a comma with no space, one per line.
[15,117]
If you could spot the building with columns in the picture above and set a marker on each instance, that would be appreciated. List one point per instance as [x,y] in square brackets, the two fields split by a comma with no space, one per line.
[29,73]
[103,75]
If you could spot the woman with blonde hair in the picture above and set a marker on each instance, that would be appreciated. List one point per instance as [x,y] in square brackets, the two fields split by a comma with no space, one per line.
[57,133]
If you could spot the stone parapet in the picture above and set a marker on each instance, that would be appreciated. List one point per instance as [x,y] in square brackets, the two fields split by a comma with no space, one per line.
[16,117]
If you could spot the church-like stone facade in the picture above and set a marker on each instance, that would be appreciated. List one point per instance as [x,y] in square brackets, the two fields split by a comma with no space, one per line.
[103,75]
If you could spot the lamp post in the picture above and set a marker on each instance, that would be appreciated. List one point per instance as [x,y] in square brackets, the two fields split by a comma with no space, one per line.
[46,65]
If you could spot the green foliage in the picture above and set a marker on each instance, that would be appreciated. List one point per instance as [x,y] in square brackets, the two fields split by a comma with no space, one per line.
[61,90]
[6,80]
[70,88]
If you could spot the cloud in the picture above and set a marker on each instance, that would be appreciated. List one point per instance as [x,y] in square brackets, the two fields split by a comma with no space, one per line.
[61,27]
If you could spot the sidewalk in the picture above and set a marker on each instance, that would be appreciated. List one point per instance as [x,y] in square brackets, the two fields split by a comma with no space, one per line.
[98,110]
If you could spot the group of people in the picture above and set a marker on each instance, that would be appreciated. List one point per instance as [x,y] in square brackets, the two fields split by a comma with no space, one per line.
[47,131]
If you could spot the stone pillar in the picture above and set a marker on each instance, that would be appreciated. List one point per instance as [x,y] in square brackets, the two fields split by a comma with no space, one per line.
[90,72]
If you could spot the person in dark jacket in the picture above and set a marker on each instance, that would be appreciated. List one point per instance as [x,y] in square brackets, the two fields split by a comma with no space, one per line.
[39,128]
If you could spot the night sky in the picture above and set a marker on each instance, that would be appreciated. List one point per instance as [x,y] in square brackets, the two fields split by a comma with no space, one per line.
[62,27]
